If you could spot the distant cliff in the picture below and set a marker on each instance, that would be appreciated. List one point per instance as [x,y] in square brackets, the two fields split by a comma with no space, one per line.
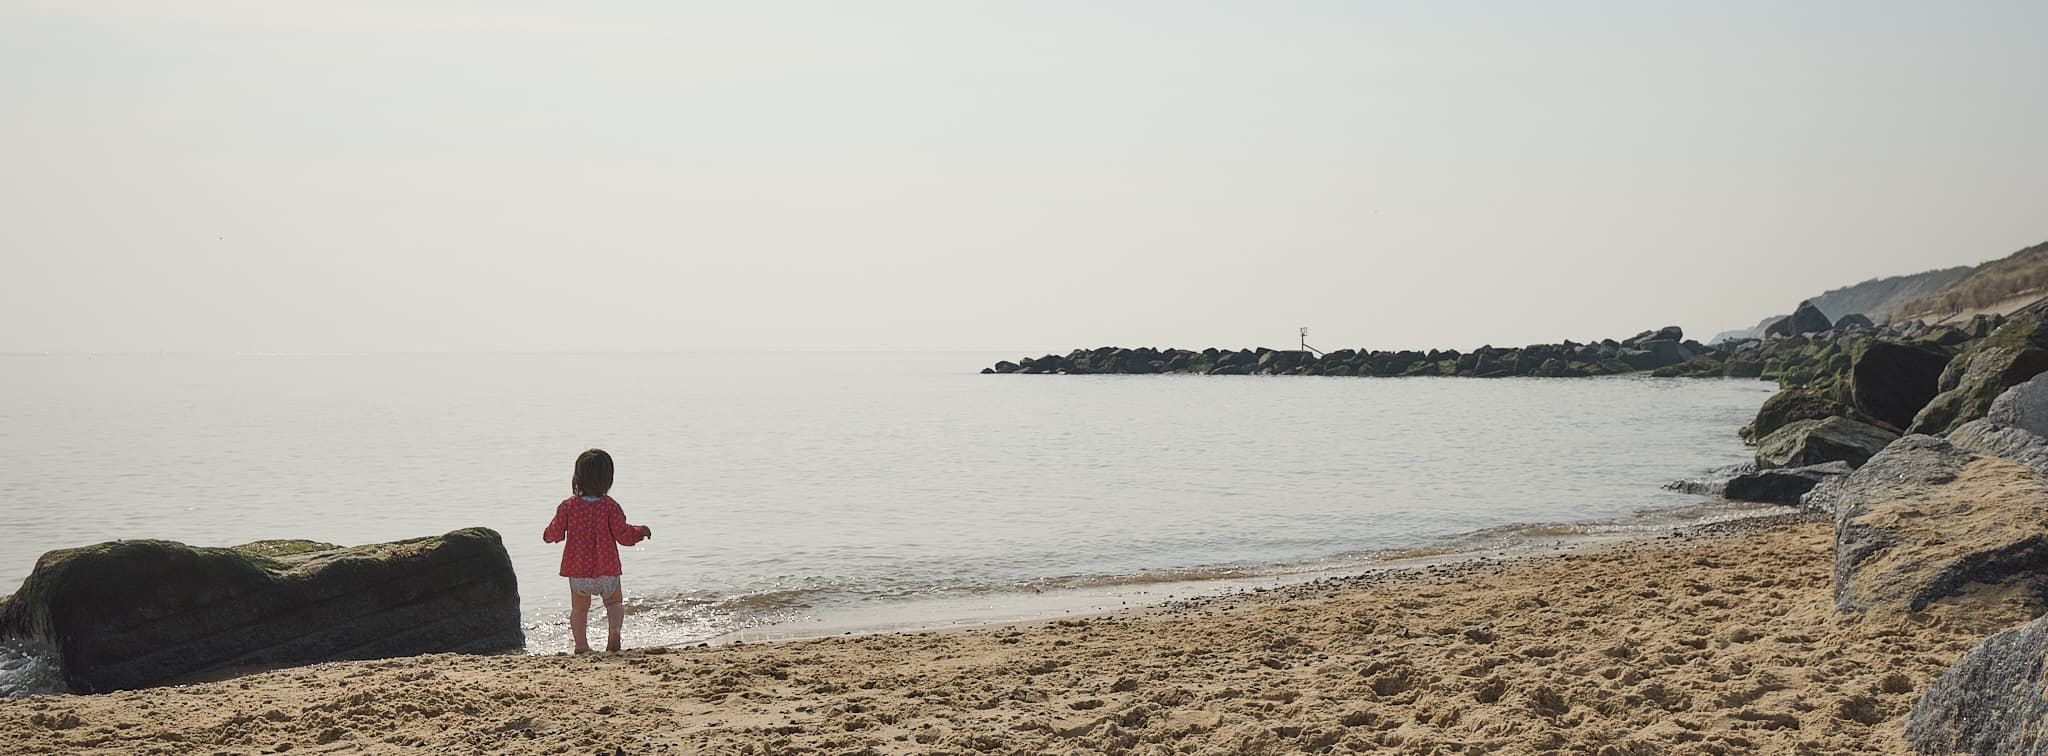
[1998,287]
[1877,299]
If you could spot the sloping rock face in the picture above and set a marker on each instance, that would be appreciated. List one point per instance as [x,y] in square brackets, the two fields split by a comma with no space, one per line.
[2014,353]
[1993,439]
[1993,701]
[1784,486]
[1924,521]
[1854,321]
[1790,406]
[1813,442]
[130,614]
[2024,406]
[1806,319]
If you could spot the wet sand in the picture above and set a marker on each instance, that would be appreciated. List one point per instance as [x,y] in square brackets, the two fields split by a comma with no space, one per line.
[1723,640]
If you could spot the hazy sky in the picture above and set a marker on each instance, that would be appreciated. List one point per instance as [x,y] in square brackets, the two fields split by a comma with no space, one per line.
[1028,176]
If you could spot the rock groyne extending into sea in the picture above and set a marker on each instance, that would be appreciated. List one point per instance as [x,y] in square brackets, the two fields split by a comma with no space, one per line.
[1795,350]
[1927,445]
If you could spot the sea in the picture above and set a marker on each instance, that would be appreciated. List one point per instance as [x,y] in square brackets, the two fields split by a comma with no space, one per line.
[807,494]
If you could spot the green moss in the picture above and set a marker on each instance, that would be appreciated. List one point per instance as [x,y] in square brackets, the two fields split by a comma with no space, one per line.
[1743,369]
[285,547]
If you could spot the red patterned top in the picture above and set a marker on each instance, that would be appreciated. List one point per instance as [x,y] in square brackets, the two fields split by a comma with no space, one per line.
[591,527]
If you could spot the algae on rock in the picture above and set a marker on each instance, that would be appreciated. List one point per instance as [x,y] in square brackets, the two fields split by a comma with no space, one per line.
[128,614]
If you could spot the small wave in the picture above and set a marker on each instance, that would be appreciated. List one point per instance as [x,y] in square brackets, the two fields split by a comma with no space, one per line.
[27,670]
[804,601]
[1196,574]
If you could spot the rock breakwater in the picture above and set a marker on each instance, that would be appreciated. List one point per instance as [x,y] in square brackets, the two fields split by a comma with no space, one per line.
[1792,357]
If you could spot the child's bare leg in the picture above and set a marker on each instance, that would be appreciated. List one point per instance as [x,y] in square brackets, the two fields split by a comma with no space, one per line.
[579,619]
[615,616]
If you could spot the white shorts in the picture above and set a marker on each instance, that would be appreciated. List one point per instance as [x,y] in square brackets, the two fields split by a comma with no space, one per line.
[597,586]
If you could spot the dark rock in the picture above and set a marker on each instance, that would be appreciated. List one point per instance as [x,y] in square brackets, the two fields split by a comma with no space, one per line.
[1424,368]
[2014,353]
[1714,483]
[1803,320]
[1666,352]
[130,614]
[1806,319]
[1981,326]
[1924,521]
[1854,322]
[1944,336]
[1639,359]
[1667,333]
[1281,362]
[1780,486]
[1813,442]
[1891,382]
[1994,701]
[1005,366]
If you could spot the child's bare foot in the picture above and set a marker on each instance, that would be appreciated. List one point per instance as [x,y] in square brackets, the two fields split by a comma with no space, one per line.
[613,644]
[584,650]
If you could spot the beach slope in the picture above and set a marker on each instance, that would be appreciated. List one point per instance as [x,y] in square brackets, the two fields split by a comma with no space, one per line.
[1723,641]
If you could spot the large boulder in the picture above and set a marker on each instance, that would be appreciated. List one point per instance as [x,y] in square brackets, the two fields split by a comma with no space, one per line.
[1854,321]
[1806,319]
[1813,442]
[1792,405]
[1985,374]
[2014,353]
[130,614]
[1781,486]
[1891,381]
[1994,439]
[1283,361]
[1667,333]
[1993,701]
[1666,352]
[1640,359]
[2024,406]
[1924,521]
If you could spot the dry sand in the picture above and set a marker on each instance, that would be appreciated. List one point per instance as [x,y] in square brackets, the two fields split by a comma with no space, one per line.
[1716,642]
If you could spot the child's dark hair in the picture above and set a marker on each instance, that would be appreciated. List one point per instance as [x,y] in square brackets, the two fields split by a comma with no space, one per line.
[593,474]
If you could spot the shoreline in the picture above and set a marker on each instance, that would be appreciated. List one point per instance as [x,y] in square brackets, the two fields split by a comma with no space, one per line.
[1716,638]
[1024,602]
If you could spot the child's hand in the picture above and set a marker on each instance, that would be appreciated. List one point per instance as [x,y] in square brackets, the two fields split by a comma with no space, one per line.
[646,532]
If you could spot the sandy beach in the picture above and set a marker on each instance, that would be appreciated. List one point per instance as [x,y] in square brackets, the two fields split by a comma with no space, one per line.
[1723,640]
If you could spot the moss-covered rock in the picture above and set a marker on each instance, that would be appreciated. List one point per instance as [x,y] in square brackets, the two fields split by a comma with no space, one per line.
[130,614]
[1984,369]
[1814,442]
[1700,367]
[1792,405]
[1743,368]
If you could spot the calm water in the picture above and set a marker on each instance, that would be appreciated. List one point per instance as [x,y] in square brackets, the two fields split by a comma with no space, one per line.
[812,493]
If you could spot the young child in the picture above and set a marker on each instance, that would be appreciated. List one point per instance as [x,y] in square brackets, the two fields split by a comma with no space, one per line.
[592,522]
